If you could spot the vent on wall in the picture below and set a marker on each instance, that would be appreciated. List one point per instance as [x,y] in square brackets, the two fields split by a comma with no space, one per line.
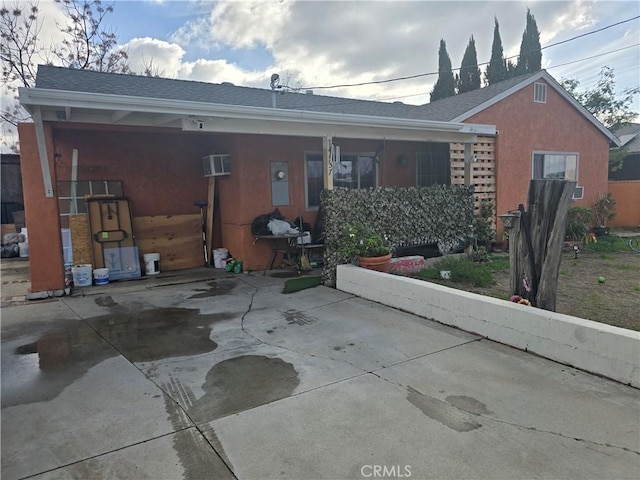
[216,165]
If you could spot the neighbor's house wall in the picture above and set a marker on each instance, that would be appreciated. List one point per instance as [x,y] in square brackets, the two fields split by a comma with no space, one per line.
[627,197]
[556,126]
[161,171]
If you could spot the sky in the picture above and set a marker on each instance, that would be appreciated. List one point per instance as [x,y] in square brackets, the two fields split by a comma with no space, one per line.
[313,44]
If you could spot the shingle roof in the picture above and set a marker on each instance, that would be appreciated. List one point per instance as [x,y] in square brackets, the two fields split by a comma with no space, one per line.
[87,81]
[449,108]
[629,135]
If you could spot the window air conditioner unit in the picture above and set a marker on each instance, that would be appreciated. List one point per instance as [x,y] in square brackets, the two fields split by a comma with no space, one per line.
[216,165]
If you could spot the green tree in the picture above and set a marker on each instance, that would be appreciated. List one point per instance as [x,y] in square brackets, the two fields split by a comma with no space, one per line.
[530,57]
[445,85]
[469,77]
[497,69]
[611,108]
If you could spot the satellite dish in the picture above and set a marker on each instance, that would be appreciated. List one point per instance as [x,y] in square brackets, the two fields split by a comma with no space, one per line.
[274,80]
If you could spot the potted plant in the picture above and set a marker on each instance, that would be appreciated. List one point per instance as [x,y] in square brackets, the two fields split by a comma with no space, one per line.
[370,250]
[604,209]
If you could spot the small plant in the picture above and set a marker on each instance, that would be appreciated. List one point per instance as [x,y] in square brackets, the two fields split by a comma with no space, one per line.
[358,240]
[483,231]
[604,209]
[579,220]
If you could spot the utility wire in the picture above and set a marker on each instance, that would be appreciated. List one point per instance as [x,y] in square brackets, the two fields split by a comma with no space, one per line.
[348,101]
[427,74]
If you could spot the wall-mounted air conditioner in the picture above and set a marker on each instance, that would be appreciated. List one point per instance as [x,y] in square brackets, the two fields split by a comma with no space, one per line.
[216,165]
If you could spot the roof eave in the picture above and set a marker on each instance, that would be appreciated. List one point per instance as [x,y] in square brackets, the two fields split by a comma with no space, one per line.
[49,98]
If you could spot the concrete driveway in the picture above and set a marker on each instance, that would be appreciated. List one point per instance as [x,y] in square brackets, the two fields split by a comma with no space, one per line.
[215,375]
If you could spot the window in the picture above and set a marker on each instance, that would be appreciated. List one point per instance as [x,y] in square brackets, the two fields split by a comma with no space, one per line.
[540,92]
[353,171]
[557,166]
[433,168]
[71,194]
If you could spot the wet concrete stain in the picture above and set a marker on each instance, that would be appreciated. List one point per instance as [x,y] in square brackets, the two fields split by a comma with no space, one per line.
[215,289]
[230,386]
[106,301]
[35,370]
[196,456]
[468,404]
[293,316]
[242,383]
[442,412]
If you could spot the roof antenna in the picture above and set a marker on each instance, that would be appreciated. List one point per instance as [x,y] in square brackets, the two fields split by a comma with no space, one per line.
[275,85]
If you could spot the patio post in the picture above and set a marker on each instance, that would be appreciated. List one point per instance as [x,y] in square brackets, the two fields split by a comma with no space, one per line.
[327,162]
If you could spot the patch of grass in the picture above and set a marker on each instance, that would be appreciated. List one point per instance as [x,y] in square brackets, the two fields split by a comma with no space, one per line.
[636,289]
[606,257]
[564,272]
[465,270]
[624,266]
[608,243]
[301,283]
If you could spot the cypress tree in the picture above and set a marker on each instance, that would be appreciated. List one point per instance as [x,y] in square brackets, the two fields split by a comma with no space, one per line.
[497,68]
[445,86]
[530,58]
[469,78]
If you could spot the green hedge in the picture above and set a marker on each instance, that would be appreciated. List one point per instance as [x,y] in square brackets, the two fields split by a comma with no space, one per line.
[406,216]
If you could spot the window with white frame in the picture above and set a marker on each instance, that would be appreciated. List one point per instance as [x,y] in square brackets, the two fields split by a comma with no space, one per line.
[557,166]
[540,92]
[353,171]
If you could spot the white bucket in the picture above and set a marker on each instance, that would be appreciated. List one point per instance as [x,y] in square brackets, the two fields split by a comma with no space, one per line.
[82,275]
[24,249]
[101,276]
[151,263]
[219,257]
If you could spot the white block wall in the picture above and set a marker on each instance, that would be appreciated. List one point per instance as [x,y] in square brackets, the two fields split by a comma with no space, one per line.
[595,347]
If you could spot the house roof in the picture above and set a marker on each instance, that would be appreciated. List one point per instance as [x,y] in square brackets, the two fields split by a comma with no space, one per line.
[629,136]
[463,106]
[65,95]
[87,81]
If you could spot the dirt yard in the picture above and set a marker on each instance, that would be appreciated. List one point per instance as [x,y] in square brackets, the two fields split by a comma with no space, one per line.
[616,301]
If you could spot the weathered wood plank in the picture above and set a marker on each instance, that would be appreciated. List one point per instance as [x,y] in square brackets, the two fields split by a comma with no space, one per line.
[177,238]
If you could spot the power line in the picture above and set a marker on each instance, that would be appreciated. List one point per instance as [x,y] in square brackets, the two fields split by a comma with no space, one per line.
[427,74]
[348,101]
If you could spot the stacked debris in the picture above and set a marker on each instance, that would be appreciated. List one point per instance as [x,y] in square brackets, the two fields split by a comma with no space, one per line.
[11,244]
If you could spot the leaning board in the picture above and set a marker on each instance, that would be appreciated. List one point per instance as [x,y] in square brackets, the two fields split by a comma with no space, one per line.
[177,238]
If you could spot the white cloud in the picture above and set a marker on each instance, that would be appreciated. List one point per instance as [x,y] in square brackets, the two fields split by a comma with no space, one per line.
[221,71]
[163,57]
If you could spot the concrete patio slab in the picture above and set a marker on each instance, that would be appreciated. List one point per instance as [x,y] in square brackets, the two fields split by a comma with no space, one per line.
[184,454]
[347,429]
[358,332]
[510,386]
[166,380]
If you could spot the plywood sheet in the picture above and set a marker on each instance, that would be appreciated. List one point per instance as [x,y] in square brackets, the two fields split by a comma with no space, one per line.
[177,238]
[81,239]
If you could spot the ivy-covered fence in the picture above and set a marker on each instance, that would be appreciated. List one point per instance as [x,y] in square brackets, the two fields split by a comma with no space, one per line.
[406,216]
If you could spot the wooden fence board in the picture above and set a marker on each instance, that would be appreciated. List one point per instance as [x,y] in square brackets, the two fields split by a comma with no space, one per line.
[177,238]
[482,170]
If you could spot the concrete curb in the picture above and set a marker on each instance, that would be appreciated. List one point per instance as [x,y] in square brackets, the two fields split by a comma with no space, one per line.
[595,347]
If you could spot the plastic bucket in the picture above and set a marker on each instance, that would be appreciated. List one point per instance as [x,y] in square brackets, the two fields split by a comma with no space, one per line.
[24,249]
[101,276]
[82,275]
[151,263]
[219,257]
